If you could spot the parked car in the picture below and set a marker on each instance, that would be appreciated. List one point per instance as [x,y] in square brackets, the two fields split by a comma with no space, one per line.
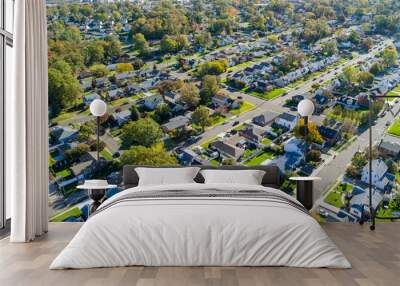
[235,123]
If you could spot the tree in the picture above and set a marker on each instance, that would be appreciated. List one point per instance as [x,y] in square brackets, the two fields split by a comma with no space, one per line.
[124,67]
[99,70]
[162,113]
[273,39]
[189,95]
[350,75]
[94,53]
[390,56]
[135,114]
[182,42]
[354,37]
[168,45]
[112,48]
[329,48]
[377,68]
[312,132]
[201,117]
[86,130]
[141,44]
[72,155]
[365,78]
[353,172]
[64,88]
[145,132]
[210,88]
[154,156]
[165,86]
[359,160]
[203,39]
[313,156]
[213,68]
[259,22]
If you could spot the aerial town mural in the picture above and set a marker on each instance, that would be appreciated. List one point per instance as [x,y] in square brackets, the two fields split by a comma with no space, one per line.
[217,82]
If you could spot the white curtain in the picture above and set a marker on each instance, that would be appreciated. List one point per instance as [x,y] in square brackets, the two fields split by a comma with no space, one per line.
[27,123]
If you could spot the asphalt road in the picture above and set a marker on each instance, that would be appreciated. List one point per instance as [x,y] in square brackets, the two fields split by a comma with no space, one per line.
[337,166]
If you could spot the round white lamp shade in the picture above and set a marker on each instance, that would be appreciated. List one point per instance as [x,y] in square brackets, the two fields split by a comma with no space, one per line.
[305,108]
[98,107]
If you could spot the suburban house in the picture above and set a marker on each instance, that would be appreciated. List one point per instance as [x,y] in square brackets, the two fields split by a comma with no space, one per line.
[331,136]
[115,93]
[151,102]
[252,133]
[100,82]
[359,202]
[228,147]
[221,100]
[287,120]
[381,178]
[265,118]
[63,134]
[389,148]
[175,123]
[88,99]
[294,155]
[121,117]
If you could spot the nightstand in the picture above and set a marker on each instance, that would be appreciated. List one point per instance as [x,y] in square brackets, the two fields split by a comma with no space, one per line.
[96,191]
[304,192]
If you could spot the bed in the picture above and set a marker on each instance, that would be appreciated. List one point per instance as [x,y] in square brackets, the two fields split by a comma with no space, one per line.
[201,224]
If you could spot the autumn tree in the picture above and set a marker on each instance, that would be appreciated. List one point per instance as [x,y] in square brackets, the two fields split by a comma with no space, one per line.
[311,129]
[124,67]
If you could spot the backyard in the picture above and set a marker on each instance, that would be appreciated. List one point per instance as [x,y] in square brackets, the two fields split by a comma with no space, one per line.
[336,196]
[260,158]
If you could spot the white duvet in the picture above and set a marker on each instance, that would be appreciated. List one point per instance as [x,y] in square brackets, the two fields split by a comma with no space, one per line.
[200,231]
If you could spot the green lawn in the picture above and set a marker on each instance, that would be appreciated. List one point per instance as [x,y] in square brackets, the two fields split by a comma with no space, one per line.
[217,119]
[394,129]
[72,212]
[207,143]
[244,107]
[334,198]
[106,155]
[257,160]
[266,141]
[64,173]
[119,101]
[214,163]
[270,94]
[394,92]
[63,116]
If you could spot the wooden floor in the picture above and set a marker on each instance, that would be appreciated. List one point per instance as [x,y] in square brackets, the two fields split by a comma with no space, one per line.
[375,257]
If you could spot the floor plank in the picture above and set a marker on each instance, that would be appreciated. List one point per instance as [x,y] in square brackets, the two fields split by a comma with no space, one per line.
[375,257]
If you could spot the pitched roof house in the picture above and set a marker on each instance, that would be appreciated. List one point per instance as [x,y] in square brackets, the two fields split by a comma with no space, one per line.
[381,178]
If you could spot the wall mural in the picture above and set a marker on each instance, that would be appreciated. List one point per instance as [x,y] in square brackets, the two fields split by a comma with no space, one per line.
[218,83]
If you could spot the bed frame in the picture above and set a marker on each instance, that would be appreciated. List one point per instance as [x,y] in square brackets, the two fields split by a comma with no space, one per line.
[272,177]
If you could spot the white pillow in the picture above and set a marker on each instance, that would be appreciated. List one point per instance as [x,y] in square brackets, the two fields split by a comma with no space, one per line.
[246,177]
[166,176]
